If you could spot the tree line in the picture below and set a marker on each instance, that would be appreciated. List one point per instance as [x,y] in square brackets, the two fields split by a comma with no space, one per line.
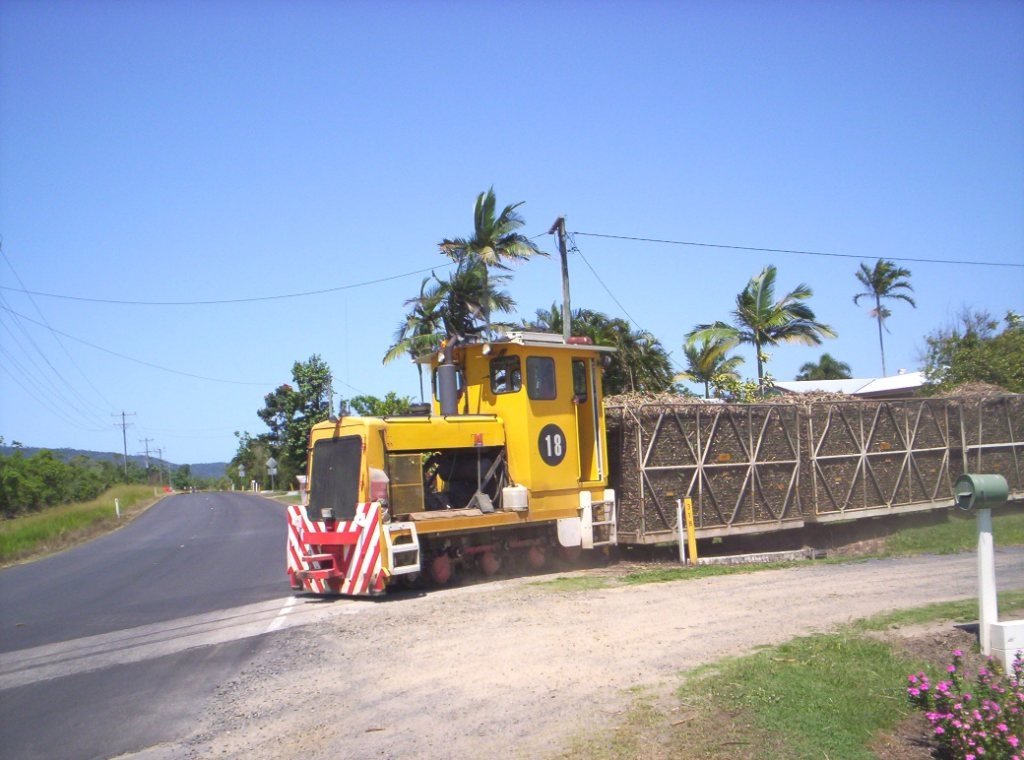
[472,303]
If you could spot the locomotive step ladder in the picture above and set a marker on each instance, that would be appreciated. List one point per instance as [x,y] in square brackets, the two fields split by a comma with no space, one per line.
[597,520]
[412,547]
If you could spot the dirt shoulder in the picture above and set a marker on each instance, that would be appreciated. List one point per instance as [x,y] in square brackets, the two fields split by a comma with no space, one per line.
[516,668]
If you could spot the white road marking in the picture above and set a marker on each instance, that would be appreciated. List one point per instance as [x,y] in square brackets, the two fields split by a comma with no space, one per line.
[65,658]
[282,615]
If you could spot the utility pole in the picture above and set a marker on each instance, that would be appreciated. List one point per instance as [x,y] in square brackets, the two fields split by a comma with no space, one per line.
[558,228]
[146,441]
[124,435]
[159,470]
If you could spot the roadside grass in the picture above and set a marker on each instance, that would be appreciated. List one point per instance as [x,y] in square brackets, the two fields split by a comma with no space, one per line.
[57,528]
[959,611]
[957,534]
[575,583]
[828,695]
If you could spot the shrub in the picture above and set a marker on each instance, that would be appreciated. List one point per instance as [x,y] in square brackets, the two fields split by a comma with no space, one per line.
[973,721]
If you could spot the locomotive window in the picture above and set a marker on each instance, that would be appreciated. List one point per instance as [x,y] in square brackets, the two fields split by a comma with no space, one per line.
[506,375]
[540,378]
[579,381]
[336,466]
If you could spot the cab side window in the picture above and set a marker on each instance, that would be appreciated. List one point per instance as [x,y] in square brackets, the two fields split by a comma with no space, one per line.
[579,381]
[540,378]
[506,375]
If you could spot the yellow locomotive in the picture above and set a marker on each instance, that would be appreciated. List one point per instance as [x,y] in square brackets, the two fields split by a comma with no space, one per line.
[512,461]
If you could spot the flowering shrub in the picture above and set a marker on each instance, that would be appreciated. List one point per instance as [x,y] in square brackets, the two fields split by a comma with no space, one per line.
[973,721]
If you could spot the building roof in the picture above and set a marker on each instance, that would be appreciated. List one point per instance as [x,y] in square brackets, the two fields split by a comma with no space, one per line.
[903,384]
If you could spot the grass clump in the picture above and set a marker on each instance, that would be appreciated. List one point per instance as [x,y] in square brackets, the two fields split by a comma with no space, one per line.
[57,528]
[574,583]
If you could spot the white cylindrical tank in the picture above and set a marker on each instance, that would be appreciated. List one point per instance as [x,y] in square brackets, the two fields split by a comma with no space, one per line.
[515,498]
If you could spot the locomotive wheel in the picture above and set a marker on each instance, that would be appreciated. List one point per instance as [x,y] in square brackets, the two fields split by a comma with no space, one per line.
[536,557]
[489,563]
[441,569]
[570,554]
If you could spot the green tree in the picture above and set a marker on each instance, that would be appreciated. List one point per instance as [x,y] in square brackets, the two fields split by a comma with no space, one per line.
[762,321]
[496,243]
[826,368]
[182,480]
[290,411]
[391,405]
[975,350]
[639,364]
[708,362]
[883,281]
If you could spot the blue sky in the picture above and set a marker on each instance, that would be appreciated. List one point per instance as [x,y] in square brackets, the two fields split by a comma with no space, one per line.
[164,151]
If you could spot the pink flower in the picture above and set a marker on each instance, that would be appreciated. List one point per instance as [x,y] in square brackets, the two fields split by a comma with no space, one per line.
[939,730]
[1013,740]
[957,653]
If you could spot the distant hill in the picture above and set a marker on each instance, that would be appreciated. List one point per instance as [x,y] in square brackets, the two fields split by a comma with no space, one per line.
[200,470]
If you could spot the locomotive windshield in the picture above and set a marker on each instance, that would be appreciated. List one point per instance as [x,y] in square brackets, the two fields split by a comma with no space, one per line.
[335,479]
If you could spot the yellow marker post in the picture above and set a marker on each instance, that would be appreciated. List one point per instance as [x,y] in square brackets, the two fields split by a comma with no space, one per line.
[691,531]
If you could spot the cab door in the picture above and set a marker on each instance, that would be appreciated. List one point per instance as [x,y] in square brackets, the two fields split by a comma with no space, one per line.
[588,429]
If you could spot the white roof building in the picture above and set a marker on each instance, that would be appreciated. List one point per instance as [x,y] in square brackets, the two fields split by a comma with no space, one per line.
[903,385]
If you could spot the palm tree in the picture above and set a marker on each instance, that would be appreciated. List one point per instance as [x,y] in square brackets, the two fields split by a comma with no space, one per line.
[884,280]
[762,321]
[826,368]
[420,331]
[495,245]
[708,362]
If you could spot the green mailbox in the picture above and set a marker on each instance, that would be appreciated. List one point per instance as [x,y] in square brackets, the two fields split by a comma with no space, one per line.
[980,491]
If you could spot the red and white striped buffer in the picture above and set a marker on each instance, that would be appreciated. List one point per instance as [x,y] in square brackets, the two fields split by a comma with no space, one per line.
[339,557]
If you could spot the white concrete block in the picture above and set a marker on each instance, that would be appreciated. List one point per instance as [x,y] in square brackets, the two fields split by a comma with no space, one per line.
[1007,639]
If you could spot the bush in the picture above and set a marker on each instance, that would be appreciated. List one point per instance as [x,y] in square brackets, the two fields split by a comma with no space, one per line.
[29,484]
[976,721]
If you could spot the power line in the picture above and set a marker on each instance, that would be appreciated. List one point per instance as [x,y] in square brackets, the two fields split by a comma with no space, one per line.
[253,299]
[37,376]
[132,359]
[575,249]
[41,400]
[39,311]
[801,253]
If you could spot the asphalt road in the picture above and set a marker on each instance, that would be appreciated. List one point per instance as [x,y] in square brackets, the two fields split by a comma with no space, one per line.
[116,645]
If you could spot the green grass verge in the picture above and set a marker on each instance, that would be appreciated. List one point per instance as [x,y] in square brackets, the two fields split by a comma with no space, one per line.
[816,696]
[826,695]
[57,528]
[960,611]
[958,534]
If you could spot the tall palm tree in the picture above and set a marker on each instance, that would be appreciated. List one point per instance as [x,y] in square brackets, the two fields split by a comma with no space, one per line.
[495,244]
[884,280]
[709,361]
[826,368]
[421,329]
[762,321]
